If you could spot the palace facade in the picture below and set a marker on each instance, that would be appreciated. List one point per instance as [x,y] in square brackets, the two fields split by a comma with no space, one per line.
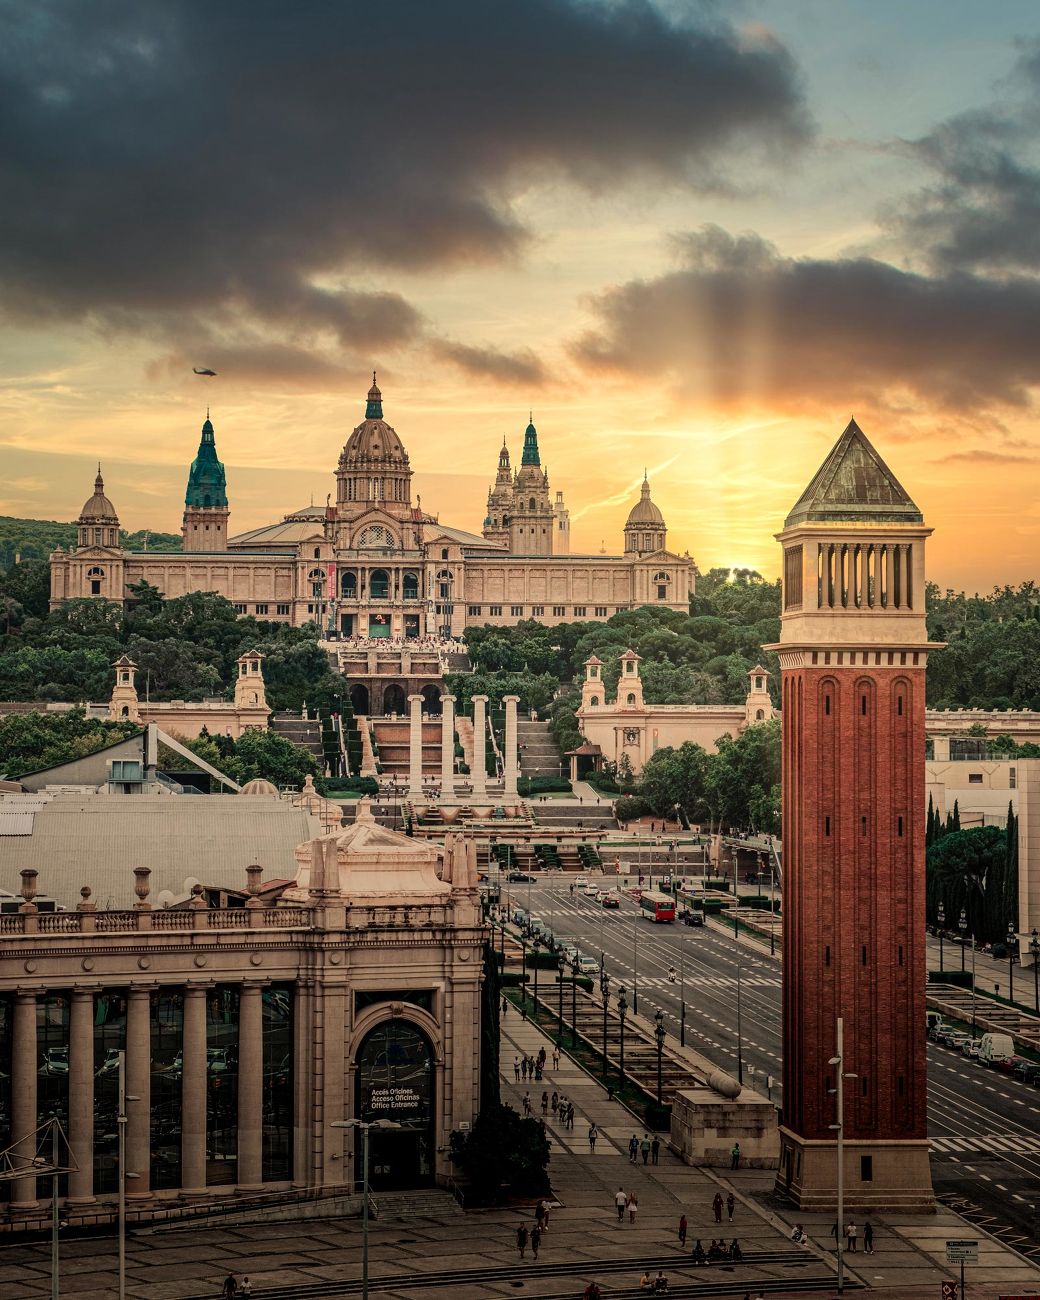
[370,563]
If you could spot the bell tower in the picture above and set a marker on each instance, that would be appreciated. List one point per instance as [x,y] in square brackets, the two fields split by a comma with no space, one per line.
[204,526]
[853,650]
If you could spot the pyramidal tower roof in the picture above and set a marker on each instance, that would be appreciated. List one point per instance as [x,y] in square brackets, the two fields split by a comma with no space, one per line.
[854,484]
[207,485]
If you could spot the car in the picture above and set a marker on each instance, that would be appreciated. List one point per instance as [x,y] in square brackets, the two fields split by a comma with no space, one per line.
[955,1041]
[944,1032]
[690,917]
[970,1048]
[568,949]
[55,1061]
[1008,1065]
[581,883]
[937,1027]
[519,878]
[1027,1071]
[610,900]
[588,965]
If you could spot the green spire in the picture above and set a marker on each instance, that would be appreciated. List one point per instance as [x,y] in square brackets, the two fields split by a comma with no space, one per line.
[530,456]
[374,409]
[206,484]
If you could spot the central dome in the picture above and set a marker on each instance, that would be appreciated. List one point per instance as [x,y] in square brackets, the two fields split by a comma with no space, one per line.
[98,509]
[644,511]
[373,443]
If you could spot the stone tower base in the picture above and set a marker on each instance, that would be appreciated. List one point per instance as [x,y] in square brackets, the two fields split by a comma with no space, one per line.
[898,1176]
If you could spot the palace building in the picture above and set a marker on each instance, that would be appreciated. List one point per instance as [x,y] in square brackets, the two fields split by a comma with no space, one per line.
[373,563]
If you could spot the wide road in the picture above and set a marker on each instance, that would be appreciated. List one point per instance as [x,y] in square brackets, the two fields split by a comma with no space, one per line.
[985,1125]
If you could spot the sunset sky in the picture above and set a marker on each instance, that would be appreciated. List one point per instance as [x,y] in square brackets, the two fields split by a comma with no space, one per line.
[695,237]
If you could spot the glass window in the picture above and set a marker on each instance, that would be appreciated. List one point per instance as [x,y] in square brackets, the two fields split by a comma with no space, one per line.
[517,611]
[278,1083]
[281,609]
[537,611]
[379,584]
[411,586]
[348,584]
[261,609]
[579,611]
[167,1041]
[109,1041]
[474,611]
[496,611]
[52,1070]
[222,1084]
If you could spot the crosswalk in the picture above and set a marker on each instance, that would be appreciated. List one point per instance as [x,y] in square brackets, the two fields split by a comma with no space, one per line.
[988,1143]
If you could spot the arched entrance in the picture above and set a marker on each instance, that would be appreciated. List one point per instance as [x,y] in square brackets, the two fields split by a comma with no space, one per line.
[359,699]
[431,696]
[393,699]
[394,1079]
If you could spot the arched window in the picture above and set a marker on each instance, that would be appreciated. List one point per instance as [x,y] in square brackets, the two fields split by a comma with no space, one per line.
[631,699]
[348,584]
[317,553]
[410,586]
[395,1079]
[379,584]
[594,701]
[444,554]
[376,536]
[759,715]
[95,574]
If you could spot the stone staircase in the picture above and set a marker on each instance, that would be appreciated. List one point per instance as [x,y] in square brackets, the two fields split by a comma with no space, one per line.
[538,753]
[303,732]
[573,816]
[428,1203]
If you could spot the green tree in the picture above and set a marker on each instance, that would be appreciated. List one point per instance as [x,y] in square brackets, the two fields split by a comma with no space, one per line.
[503,1153]
[31,741]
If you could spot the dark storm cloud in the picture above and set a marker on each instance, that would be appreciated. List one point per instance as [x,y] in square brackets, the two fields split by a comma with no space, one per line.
[738,321]
[522,368]
[250,158]
[982,211]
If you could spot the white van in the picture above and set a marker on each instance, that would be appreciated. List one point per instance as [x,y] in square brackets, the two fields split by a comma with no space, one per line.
[996,1047]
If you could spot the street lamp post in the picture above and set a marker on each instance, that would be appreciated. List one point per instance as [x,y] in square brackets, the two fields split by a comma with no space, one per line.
[940,916]
[659,1035]
[365,1130]
[535,946]
[740,1009]
[635,959]
[523,971]
[839,1128]
[559,982]
[604,988]
[1012,945]
[682,988]
[121,1121]
[622,1009]
[1034,949]
[574,1002]
[962,925]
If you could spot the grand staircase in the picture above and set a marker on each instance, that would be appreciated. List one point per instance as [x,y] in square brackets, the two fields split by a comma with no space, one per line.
[538,753]
[304,732]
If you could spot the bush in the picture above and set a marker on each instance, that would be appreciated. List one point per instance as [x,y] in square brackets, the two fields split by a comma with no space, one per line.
[630,807]
[354,785]
[658,1117]
[528,785]
[957,978]
[503,1152]
[602,782]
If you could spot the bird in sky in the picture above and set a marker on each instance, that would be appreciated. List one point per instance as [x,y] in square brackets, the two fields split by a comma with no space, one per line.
[204,371]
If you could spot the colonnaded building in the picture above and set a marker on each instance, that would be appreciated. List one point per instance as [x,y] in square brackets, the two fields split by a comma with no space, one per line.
[371,563]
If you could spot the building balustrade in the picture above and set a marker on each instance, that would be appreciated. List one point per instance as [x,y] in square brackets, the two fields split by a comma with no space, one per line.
[203,918]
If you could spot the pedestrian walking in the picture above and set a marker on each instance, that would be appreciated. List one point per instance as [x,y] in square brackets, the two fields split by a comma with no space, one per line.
[505,1005]
[593,1135]
[545,1103]
[521,1239]
[570,1115]
[851,1232]
[516,1067]
[682,1230]
[734,1156]
[716,1206]
[246,1289]
[555,1102]
[230,1287]
[527,1103]
[538,1071]
[644,1148]
[731,1203]
[536,1241]
[868,1238]
[556,1058]
[621,1204]
[523,1068]
[633,1149]
[544,1207]
[633,1205]
[655,1150]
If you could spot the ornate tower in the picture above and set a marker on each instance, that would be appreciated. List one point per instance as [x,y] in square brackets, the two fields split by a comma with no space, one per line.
[500,501]
[374,481]
[645,530]
[123,703]
[249,684]
[853,649]
[758,705]
[204,527]
[562,516]
[630,684]
[532,521]
[98,523]
[592,693]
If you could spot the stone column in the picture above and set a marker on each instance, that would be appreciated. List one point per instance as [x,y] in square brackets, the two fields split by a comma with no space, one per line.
[139,1087]
[193,1091]
[23,1093]
[250,1085]
[478,768]
[81,1095]
[447,748]
[303,1036]
[415,790]
[510,755]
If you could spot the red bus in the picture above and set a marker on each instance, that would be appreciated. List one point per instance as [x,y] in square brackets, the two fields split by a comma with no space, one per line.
[657,907]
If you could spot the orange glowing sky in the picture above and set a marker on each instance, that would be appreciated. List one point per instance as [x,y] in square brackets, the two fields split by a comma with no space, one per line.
[690,242]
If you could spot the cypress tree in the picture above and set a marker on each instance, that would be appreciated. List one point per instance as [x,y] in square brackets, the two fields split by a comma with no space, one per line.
[956,816]
[1010,899]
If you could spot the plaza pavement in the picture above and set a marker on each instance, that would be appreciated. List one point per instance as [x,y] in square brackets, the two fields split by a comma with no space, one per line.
[583,1230]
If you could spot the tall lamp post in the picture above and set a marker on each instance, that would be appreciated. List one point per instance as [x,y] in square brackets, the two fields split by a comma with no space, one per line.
[365,1130]
[121,1122]
[940,917]
[635,959]
[559,990]
[535,948]
[1034,949]
[523,972]
[574,1001]
[839,1131]
[962,925]
[604,989]
[622,1010]
[682,988]
[659,1035]
[1012,945]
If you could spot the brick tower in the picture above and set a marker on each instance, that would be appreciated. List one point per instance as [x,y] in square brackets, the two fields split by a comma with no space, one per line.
[853,650]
